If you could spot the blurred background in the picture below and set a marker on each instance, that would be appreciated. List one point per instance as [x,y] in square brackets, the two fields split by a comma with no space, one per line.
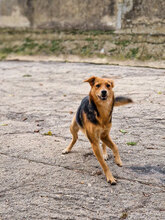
[104,31]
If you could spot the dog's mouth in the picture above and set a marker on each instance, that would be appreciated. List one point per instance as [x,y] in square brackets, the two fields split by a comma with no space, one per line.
[103,98]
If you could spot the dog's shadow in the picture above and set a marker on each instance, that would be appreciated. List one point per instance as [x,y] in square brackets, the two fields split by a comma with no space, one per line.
[148,169]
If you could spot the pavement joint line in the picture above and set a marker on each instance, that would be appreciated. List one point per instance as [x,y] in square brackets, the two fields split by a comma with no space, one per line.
[77,170]
[16,187]
[32,132]
[41,162]
[142,182]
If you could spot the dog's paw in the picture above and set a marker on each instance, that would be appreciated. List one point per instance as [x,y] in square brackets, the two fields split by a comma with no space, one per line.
[105,156]
[118,161]
[65,151]
[112,181]
[120,164]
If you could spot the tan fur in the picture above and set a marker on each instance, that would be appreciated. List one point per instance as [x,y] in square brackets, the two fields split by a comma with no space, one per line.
[101,131]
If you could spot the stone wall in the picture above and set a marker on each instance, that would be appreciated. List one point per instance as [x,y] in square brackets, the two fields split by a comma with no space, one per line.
[144,16]
[137,16]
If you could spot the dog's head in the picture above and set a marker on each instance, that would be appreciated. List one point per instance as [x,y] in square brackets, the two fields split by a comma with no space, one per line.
[101,88]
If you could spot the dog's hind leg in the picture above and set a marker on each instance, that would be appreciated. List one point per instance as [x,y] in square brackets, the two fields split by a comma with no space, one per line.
[74,131]
[105,155]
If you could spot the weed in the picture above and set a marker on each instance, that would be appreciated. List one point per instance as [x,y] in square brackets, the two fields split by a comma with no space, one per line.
[132,53]
[112,50]
[146,56]
[2,56]
[27,75]
[42,46]
[6,50]
[27,45]
[124,215]
[89,39]
[91,32]
[132,143]
[55,45]
[85,50]
[96,46]
[123,43]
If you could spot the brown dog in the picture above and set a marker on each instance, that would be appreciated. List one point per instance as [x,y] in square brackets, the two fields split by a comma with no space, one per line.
[94,119]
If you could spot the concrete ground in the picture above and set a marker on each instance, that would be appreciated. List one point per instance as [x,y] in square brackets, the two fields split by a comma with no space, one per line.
[38,182]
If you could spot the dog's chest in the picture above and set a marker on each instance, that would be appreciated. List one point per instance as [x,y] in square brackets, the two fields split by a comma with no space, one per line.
[105,116]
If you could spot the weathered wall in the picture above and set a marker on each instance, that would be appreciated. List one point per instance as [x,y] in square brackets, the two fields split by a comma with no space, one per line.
[145,16]
[121,15]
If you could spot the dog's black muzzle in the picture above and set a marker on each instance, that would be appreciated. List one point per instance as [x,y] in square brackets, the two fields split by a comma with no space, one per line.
[103,95]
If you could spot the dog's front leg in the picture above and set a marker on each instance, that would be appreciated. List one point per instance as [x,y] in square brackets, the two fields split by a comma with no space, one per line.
[99,156]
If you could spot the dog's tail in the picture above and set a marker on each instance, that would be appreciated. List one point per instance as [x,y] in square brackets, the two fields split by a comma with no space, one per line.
[120,100]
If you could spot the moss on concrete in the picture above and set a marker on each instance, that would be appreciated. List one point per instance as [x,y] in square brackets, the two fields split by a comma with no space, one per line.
[87,44]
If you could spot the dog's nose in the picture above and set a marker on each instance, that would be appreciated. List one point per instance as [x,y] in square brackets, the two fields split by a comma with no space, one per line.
[103,93]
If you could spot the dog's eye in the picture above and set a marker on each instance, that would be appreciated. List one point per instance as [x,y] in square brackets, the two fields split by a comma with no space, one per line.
[98,85]
[108,86]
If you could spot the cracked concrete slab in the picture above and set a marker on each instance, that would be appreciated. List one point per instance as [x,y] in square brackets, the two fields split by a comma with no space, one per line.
[38,182]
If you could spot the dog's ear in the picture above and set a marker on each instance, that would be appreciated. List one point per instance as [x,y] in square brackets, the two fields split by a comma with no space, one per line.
[91,80]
